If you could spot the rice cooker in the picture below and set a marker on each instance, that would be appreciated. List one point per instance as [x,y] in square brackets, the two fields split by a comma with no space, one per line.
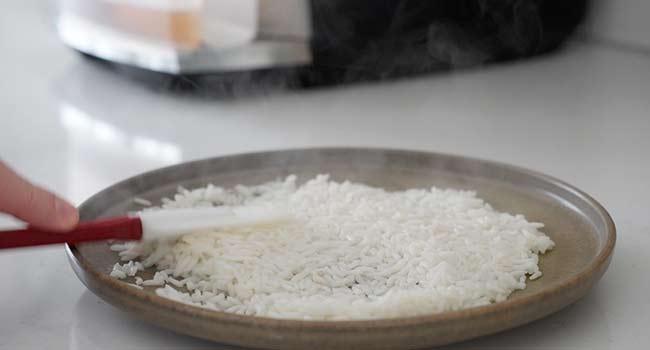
[302,43]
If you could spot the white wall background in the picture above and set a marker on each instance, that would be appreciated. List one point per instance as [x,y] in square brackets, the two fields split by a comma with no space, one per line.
[623,21]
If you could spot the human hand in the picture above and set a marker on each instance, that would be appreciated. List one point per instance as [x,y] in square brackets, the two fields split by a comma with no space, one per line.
[34,205]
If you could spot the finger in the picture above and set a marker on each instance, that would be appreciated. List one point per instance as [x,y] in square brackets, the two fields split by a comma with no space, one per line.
[34,205]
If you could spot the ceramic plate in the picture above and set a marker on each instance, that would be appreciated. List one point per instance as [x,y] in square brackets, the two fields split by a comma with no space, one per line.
[581,228]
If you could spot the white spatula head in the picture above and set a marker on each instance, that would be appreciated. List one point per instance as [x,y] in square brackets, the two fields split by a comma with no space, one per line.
[172,223]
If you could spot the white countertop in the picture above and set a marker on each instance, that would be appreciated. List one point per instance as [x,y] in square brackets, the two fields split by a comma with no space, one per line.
[582,115]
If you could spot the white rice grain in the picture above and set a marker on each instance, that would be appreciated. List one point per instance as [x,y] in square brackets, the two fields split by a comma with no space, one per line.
[141,201]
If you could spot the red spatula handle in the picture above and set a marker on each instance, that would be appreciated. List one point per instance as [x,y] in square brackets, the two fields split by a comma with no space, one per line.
[125,228]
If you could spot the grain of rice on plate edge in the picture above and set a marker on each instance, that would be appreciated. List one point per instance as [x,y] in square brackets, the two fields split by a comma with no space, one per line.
[351,252]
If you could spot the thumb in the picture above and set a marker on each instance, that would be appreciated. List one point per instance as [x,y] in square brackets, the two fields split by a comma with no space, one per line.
[32,204]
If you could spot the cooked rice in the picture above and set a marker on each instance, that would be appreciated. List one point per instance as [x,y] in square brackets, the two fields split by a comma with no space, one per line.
[351,252]
[143,202]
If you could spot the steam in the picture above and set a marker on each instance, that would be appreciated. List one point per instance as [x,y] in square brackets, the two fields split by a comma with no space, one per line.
[449,44]
[406,37]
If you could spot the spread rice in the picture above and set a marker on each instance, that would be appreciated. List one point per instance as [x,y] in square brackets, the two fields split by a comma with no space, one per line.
[351,252]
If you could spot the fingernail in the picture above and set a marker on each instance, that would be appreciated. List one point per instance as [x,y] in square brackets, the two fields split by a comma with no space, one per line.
[66,213]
